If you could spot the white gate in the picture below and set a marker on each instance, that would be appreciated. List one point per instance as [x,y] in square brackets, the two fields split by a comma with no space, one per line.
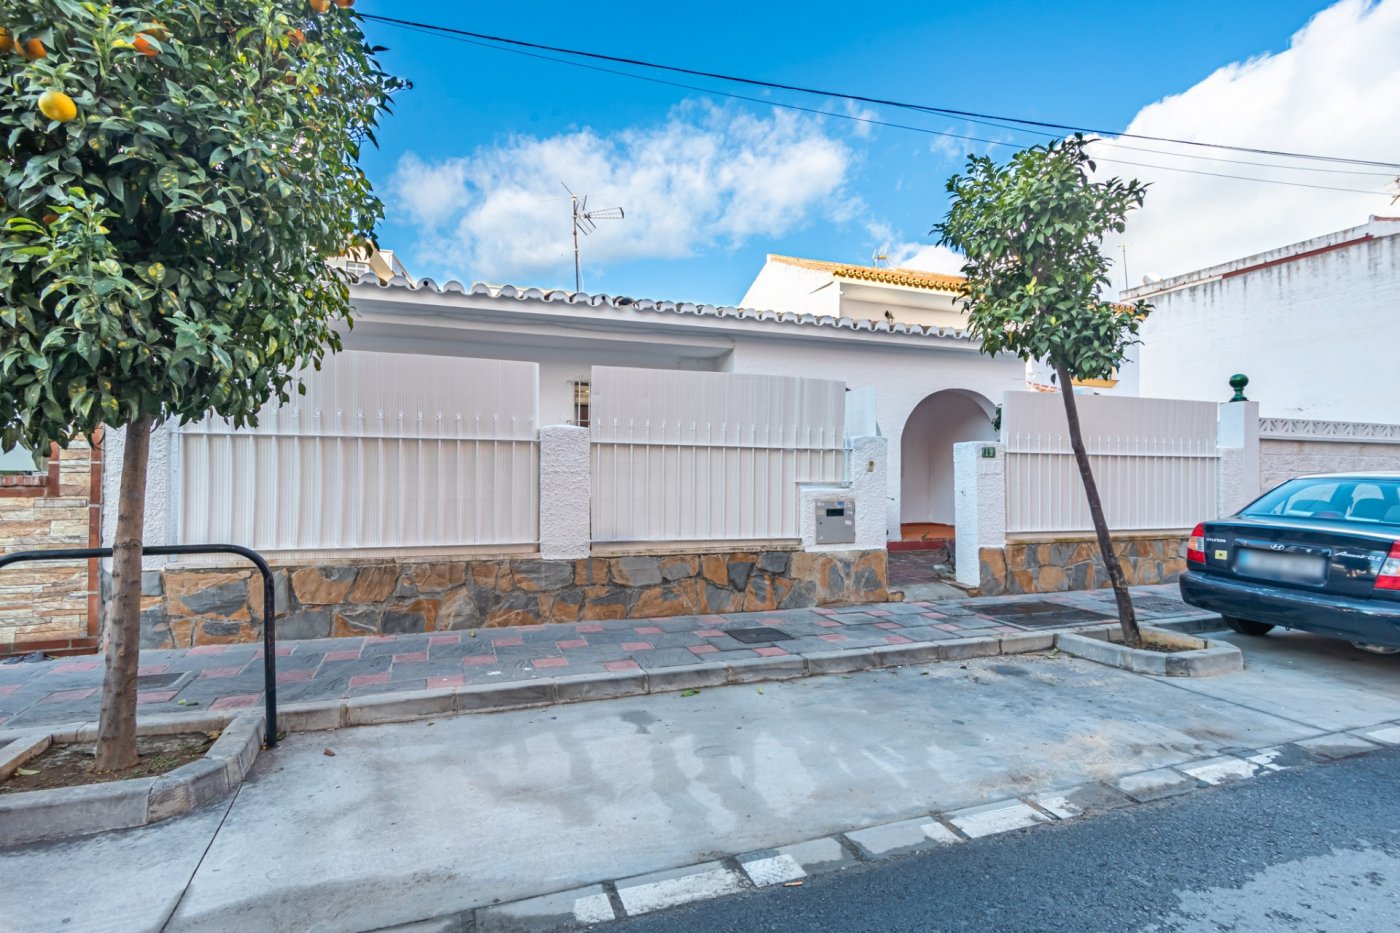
[689,456]
[1155,461]
[385,450]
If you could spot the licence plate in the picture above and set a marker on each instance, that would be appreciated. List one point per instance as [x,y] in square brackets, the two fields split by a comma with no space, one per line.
[1286,568]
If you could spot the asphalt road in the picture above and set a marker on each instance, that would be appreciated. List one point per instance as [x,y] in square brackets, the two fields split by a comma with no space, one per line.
[1315,849]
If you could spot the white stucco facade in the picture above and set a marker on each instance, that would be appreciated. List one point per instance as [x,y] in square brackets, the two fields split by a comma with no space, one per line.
[899,365]
[1310,324]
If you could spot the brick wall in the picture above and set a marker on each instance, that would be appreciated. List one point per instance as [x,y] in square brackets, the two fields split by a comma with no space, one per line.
[51,607]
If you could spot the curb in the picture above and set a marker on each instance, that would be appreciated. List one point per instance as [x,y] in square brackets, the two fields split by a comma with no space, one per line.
[1212,658]
[790,865]
[66,812]
[406,706]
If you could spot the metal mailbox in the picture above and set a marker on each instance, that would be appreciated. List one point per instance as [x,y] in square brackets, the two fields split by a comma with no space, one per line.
[836,521]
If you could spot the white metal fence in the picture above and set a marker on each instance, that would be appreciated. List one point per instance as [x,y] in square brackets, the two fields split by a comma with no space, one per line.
[690,456]
[1155,461]
[384,450]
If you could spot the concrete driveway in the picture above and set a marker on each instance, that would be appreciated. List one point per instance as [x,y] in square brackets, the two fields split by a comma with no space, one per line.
[410,821]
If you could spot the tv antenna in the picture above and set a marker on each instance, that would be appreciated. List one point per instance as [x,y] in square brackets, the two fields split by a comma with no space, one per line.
[585,222]
[880,258]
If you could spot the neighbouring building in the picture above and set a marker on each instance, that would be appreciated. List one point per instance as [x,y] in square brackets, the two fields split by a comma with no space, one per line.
[50,502]
[1310,324]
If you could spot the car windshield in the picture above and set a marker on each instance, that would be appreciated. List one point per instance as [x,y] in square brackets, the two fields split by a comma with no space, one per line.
[1373,501]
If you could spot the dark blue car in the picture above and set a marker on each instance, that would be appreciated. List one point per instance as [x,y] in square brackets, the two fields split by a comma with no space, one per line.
[1319,553]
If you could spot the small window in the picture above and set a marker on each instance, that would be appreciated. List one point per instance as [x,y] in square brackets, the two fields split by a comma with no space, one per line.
[582,393]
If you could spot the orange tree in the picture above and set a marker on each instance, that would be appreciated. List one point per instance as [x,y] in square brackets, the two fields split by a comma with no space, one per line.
[174,175]
[1032,232]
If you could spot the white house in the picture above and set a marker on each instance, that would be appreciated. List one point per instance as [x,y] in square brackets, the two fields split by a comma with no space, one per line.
[893,336]
[1310,324]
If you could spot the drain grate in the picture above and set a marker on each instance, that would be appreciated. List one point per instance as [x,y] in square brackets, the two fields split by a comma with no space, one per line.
[1160,605]
[1041,614]
[161,681]
[752,636]
[1025,607]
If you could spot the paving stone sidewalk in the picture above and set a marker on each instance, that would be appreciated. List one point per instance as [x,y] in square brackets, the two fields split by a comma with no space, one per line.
[219,677]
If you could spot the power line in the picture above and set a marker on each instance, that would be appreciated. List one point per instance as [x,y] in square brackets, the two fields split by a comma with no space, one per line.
[945,111]
[442,32]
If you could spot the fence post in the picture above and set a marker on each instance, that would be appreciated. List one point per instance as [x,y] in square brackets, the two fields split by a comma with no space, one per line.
[869,475]
[979,506]
[1237,442]
[565,486]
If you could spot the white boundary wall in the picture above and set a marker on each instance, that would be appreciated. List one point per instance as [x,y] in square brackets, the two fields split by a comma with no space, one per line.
[1292,447]
[1155,461]
[384,451]
[692,456]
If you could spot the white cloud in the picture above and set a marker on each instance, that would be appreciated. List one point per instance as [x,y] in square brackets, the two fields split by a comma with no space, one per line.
[1334,91]
[430,193]
[706,177]
[927,258]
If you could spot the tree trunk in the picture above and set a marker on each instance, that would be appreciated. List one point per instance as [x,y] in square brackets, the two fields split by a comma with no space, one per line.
[1127,618]
[121,635]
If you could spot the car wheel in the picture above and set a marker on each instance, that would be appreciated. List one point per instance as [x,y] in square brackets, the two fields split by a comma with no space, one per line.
[1246,627]
[1375,649]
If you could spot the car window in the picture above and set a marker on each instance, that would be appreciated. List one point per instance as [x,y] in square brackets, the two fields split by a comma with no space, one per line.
[1368,503]
[1325,499]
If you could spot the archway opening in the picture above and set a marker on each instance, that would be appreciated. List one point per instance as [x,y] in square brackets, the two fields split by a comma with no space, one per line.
[941,420]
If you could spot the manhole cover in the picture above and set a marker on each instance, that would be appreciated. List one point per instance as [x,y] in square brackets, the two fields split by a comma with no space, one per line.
[751,636]
[161,681]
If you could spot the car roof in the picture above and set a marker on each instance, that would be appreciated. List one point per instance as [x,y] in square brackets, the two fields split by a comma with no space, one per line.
[1375,474]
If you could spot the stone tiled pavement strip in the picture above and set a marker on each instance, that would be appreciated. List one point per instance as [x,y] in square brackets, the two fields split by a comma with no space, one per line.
[222,677]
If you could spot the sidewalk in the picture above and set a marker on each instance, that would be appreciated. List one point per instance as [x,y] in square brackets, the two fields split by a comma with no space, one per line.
[634,804]
[220,677]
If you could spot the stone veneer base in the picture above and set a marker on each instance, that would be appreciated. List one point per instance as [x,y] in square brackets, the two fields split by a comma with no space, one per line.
[190,606]
[1057,566]
[65,812]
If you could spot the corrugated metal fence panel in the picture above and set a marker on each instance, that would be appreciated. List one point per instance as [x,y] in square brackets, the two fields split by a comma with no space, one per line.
[385,450]
[1155,461]
[687,456]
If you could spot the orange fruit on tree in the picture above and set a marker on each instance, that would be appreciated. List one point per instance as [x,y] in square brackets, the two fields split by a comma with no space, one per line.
[145,46]
[58,106]
[320,6]
[297,37]
[50,219]
[34,49]
[7,40]
[345,4]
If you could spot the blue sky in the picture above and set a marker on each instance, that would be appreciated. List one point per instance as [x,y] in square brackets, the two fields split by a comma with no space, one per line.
[711,185]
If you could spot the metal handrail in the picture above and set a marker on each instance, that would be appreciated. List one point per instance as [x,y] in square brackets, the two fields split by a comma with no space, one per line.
[173,550]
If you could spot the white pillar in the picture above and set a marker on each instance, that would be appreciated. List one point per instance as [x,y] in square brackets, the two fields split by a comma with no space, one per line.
[1237,439]
[979,505]
[564,493]
[867,489]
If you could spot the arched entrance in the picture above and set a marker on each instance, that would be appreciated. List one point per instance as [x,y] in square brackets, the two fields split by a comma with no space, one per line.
[926,458]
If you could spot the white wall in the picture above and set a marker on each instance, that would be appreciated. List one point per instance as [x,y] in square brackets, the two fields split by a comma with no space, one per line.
[1315,335]
[938,423]
[781,286]
[901,376]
